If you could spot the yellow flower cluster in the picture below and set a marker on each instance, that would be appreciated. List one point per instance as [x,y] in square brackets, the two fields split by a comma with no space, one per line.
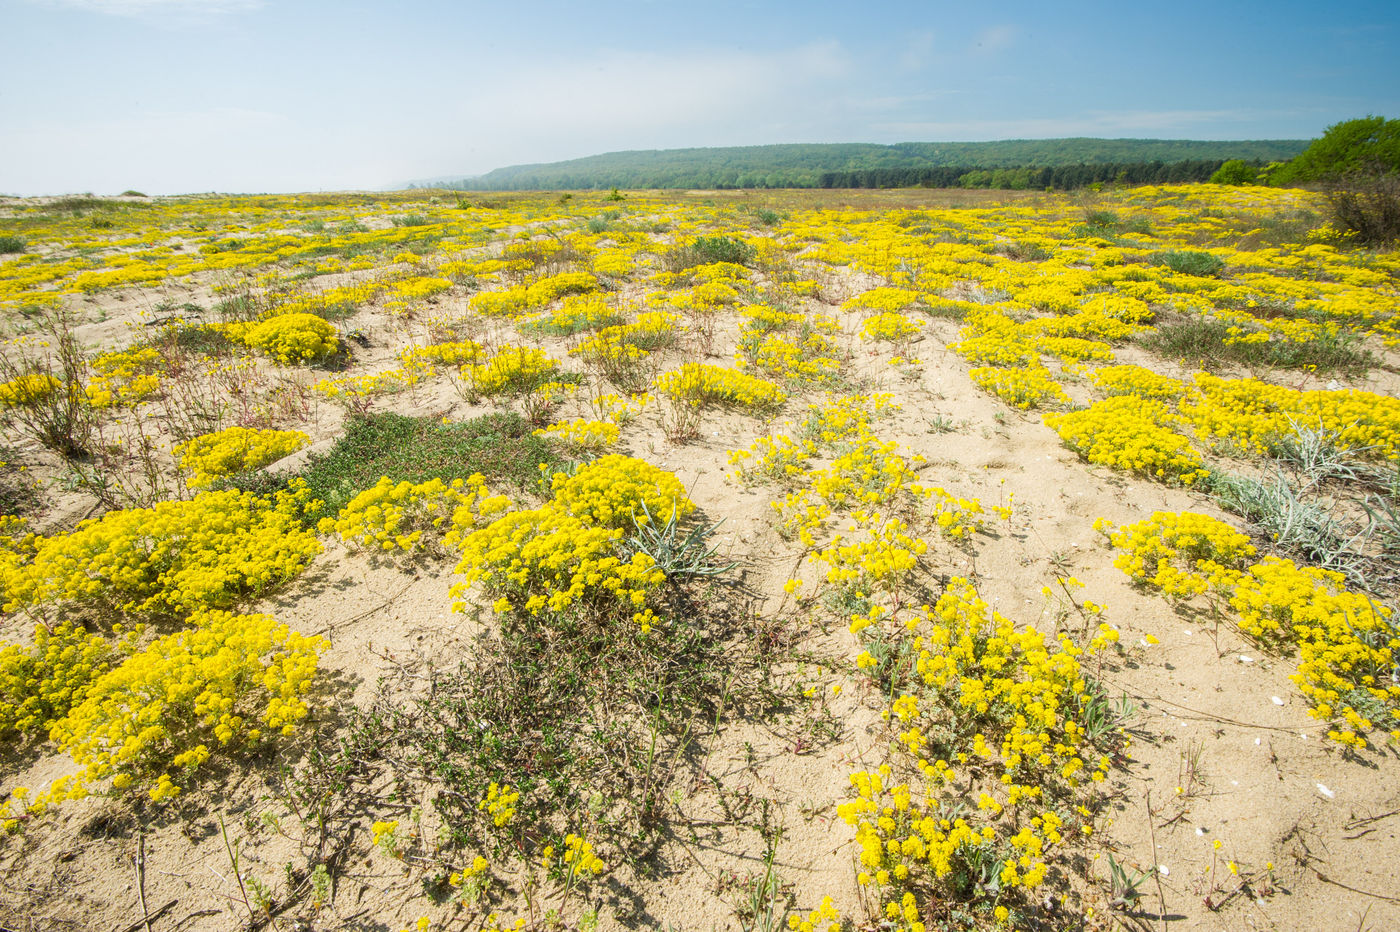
[515,370]
[579,858]
[1137,381]
[617,409]
[985,711]
[825,918]
[1130,433]
[1347,644]
[611,492]
[994,339]
[499,804]
[123,377]
[351,388]
[582,435]
[453,353]
[882,561]
[563,557]
[395,516]
[171,559]
[889,327]
[555,286]
[233,450]
[578,313]
[402,294]
[1183,554]
[224,681]
[1022,387]
[701,384]
[792,347]
[289,338]
[27,389]
[1253,416]
[883,300]
[39,683]
[651,331]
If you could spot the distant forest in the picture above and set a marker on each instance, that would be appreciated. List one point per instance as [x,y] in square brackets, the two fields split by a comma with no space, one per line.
[1017,164]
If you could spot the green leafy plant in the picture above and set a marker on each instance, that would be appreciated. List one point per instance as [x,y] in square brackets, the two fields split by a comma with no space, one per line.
[674,554]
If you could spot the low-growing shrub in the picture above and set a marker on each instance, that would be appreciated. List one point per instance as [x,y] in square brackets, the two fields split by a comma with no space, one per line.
[501,447]
[226,681]
[705,250]
[47,397]
[172,559]
[1190,262]
[294,338]
[1367,206]
[234,450]
[1132,434]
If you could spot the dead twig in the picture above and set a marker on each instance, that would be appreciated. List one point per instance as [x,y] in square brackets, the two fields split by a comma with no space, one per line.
[141,879]
[148,918]
[1337,883]
[1156,866]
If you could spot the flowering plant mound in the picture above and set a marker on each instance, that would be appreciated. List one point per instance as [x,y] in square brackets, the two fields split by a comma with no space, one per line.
[27,389]
[1184,555]
[234,450]
[563,557]
[702,384]
[125,376]
[986,712]
[515,370]
[1130,433]
[611,492]
[40,682]
[1022,387]
[1135,380]
[890,327]
[1346,642]
[225,681]
[293,338]
[583,435]
[398,515]
[170,559]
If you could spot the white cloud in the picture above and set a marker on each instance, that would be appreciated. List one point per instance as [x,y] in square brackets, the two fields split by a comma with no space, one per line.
[163,8]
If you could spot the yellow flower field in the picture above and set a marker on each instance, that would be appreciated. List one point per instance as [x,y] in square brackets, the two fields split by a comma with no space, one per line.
[900,560]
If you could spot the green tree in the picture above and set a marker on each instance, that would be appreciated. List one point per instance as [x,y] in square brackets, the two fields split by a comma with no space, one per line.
[1369,145]
[1235,171]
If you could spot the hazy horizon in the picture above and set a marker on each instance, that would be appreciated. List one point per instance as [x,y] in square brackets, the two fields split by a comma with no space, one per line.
[177,96]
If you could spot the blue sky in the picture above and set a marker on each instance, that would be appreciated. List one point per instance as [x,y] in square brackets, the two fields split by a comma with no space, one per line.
[169,96]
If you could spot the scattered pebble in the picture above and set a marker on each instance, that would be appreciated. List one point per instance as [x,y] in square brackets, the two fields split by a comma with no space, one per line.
[1326,792]
[1244,659]
[1163,869]
[1278,701]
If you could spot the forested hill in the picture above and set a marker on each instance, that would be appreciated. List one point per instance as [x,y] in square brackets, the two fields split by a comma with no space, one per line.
[872,165]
